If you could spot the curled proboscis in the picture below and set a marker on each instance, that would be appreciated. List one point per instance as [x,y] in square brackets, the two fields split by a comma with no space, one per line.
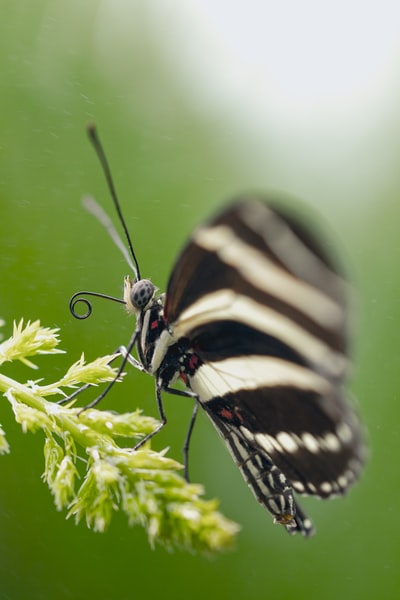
[79,298]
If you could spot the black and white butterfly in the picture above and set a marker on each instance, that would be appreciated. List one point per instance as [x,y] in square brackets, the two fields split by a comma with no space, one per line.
[254,322]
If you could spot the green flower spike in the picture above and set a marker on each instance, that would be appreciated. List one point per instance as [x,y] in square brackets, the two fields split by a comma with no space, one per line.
[89,472]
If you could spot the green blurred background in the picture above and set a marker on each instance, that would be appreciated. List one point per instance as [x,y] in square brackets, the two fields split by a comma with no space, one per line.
[195,103]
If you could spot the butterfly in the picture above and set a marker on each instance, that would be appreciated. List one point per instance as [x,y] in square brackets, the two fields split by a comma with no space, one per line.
[254,322]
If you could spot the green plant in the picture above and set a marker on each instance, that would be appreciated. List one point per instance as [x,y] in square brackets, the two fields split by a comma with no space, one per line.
[88,470]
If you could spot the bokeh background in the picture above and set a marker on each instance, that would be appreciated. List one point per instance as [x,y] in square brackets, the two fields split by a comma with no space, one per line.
[196,102]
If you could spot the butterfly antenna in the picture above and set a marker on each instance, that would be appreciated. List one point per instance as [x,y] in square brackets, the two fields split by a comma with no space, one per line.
[95,140]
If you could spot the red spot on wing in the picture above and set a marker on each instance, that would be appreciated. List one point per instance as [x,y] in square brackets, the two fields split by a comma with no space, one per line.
[193,362]
[226,414]
[231,415]
[238,415]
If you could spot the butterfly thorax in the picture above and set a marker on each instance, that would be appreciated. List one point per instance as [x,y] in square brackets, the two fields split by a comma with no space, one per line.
[160,352]
[152,326]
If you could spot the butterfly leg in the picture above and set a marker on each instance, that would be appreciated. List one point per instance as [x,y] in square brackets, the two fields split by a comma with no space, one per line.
[127,357]
[187,394]
[86,386]
[162,415]
[74,394]
[163,421]
[123,351]
[187,441]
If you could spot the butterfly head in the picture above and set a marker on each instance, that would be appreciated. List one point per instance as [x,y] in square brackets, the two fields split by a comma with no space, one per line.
[138,294]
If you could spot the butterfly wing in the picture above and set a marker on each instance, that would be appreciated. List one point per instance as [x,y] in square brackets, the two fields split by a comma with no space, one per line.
[264,310]
[284,431]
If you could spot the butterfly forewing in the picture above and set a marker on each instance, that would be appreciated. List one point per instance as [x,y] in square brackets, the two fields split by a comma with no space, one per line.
[263,311]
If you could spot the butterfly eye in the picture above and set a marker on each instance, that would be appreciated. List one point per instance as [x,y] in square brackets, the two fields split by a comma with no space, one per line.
[141,293]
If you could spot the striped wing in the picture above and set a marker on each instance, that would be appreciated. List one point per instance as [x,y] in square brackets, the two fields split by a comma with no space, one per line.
[265,312]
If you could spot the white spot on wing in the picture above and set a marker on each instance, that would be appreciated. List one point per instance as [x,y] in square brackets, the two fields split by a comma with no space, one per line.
[287,442]
[344,432]
[310,442]
[267,443]
[307,524]
[326,487]
[298,486]
[350,476]
[331,442]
